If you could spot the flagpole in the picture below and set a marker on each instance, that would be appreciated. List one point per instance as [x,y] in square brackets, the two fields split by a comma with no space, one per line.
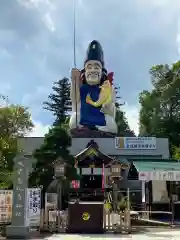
[74,51]
[74,35]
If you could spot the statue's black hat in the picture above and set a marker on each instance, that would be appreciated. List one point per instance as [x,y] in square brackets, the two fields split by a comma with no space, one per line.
[95,52]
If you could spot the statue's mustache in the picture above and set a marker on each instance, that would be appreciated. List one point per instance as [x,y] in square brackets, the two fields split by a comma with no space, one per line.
[93,74]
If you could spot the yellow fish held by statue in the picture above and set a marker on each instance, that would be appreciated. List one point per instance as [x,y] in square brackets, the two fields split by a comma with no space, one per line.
[105,95]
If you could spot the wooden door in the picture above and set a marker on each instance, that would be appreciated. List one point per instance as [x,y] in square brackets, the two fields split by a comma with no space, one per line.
[85,218]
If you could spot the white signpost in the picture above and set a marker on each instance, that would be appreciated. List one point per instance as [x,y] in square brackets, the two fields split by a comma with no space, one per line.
[51,199]
[33,206]
[135,143]
[160,176]
[33,199]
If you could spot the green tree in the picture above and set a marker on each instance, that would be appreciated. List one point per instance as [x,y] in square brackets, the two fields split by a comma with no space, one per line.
[8,150]
[122,125]
[176,153]
[56,144]
[160,108]
[121,120]
[15,121]
[59,101]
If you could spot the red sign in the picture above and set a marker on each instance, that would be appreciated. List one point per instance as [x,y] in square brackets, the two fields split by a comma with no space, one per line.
[75,184]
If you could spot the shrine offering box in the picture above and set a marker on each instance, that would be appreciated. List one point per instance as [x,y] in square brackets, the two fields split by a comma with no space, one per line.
[85,217]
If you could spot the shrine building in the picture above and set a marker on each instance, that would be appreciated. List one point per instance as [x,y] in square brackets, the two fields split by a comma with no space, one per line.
[148,171]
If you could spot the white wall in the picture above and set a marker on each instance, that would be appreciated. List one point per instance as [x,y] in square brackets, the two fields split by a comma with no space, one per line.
[106,145]
[159,191]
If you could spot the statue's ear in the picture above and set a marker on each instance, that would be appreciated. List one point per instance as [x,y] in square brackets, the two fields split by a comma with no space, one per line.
[104,75]
[104,71]
[82,76]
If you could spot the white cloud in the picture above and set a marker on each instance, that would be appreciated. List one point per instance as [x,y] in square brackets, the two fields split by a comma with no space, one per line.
[132,115]
[49,22]
[39,130]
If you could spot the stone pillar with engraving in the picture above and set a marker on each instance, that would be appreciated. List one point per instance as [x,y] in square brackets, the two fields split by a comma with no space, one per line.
[19,228]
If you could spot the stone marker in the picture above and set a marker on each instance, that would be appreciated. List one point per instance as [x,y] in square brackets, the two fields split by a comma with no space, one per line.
[19,227]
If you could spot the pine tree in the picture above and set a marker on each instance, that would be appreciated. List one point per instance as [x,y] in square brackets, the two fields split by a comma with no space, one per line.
[121,120]
[122,124]
[59,101]
[56,144]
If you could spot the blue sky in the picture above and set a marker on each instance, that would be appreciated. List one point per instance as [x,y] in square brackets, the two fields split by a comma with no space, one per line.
[36,46]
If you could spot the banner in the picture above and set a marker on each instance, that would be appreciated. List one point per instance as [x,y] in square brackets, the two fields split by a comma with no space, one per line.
[33,206]
[6,205]
[135,143]
[160,176]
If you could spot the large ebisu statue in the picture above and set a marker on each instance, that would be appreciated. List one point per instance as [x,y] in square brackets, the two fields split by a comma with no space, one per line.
[92,94]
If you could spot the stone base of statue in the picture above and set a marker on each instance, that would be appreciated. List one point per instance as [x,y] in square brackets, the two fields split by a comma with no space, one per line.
[85,132]
[17,232]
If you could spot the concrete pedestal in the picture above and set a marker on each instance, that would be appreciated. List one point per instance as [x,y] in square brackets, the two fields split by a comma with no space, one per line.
[17,232]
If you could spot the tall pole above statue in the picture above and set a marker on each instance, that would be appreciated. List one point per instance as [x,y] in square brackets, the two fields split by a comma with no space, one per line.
[93,96]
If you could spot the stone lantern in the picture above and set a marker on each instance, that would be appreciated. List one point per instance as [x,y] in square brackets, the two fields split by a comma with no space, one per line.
[116,172]
[59,172]
[114,177]
[59,167]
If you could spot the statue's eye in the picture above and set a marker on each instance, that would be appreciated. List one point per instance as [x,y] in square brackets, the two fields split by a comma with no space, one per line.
[97,66]
[89,66]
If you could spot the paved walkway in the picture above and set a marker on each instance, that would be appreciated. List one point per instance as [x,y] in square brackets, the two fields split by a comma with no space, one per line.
[152,235]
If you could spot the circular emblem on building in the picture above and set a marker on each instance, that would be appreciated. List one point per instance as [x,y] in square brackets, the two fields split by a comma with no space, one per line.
[86,216]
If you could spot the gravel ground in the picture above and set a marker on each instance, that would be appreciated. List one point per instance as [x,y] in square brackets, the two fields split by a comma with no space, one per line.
[152,234]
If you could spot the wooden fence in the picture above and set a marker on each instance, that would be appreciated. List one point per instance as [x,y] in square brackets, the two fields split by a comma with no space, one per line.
[56,221]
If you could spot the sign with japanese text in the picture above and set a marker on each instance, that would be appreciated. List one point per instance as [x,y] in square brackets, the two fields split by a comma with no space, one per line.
[33,206]
[135,143]
[33,203]
[160,176]
[5,205]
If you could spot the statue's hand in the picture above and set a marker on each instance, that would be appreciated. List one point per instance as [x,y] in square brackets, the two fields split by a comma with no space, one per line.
[88,99]
[108,109]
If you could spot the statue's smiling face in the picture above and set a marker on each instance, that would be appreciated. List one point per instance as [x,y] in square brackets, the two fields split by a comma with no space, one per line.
[93,72]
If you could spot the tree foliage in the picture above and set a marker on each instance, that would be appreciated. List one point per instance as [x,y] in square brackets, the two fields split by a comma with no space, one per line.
[57,141]
[121,120]
[160,108]
[8,150]
[56,144]
[122,125]
[176,152]
[59,101]
[15,121]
